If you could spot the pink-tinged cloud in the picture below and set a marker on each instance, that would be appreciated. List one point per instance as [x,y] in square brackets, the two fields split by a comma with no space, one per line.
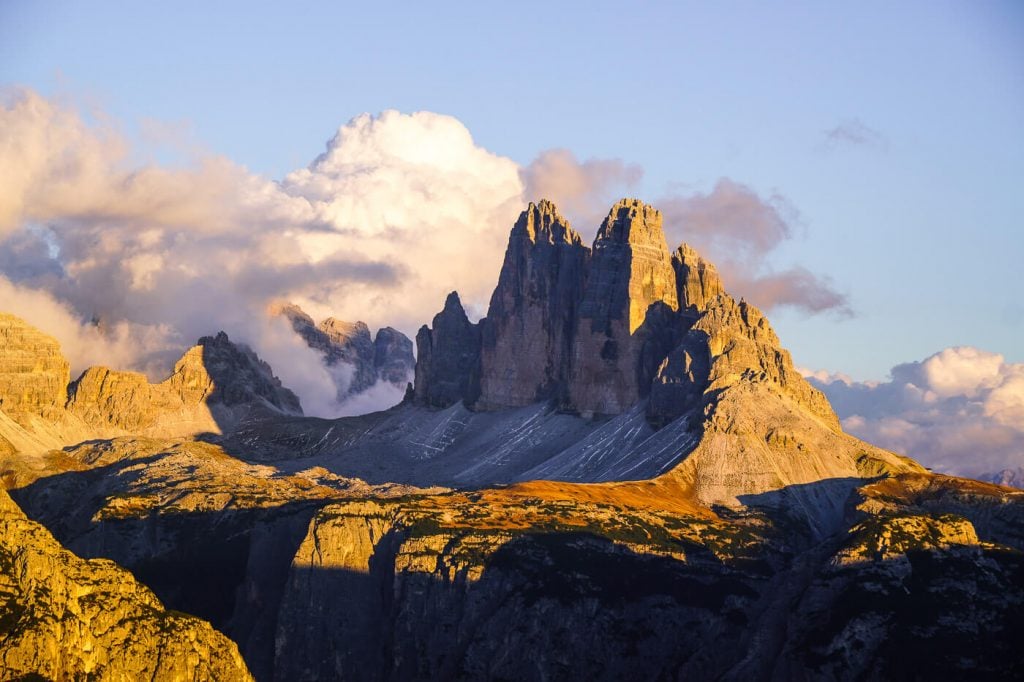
[958,411]
[738,230]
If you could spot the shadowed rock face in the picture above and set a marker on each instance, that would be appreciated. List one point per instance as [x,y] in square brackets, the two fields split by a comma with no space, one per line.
[631,277]
[527,336]
[393,360]
[385,357]
[62,617]
[448,358]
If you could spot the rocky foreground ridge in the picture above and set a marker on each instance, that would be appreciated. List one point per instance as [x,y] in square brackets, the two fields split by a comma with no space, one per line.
[616,474]
[213,387]
[63,618]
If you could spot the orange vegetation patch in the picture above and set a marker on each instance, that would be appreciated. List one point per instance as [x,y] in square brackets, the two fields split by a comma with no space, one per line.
[656,495]
[914,488]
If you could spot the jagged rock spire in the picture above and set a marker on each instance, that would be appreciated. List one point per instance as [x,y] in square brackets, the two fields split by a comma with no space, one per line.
[448,357]
[528,330]
[630,296]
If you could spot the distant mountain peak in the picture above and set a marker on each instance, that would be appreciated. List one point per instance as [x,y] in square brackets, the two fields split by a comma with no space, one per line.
[385,357]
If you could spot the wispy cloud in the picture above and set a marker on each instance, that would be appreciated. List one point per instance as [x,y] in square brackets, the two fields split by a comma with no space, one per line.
[854,133]
[738,230]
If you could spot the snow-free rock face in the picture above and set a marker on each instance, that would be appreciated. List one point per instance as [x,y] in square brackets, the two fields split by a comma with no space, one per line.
[385,357]
[448,357]
[587,328]
[527,335]
[62,617]
[219,371]
[697,280]
[213,385]
[393,360]
[628,305]
[33,372]
[351,342]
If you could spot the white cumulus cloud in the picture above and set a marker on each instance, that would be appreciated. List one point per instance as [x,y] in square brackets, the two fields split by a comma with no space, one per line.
[959,411]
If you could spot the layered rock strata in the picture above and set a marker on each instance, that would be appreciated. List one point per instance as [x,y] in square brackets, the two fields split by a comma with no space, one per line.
[527,334]
[33,373]
[62,617]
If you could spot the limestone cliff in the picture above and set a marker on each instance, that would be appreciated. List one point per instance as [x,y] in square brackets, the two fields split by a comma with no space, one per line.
[627,306]
[527,334]
[33,372]
[387,356]
[62,617]
[212,386]
[448,358]
[697,280]
[393,360]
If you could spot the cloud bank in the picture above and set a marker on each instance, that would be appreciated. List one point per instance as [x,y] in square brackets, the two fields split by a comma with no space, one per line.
[959,411]
[129,262]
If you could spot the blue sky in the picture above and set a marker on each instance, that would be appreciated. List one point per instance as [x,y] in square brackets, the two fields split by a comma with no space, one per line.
[919,222]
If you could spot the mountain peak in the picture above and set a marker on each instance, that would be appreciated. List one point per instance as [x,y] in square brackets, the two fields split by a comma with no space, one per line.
[453,305]
[541,222]
[631,221]
[697,279]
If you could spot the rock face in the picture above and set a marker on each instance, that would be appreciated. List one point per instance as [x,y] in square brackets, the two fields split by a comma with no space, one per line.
[697,280]
[218,371]
[448,358]
[586,328]
[212,386]
[62,617]
[627,304]
[384,357]
[527,336]
[393,360]
[33,373]
[541,581]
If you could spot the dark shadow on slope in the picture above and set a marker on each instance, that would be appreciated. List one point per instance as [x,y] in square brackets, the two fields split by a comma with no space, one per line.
[227,566]
[813,510]
[561,605]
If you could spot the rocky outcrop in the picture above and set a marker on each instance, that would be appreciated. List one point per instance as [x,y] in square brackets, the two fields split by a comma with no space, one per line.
[33,373]
[393,360]
[124,401]
[472,588]
[385,357]
[212,386]
[527,334]
[351,343]
[448,358]
[697,280]
[628,305]
[587,328]
[62,617]
[217,371]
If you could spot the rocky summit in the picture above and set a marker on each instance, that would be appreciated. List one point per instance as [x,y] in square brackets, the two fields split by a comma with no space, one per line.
[617,473]
[386,357]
